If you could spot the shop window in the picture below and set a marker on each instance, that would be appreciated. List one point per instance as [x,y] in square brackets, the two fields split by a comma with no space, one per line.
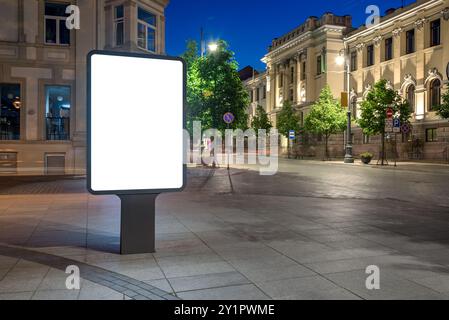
[11,105]
[57,106]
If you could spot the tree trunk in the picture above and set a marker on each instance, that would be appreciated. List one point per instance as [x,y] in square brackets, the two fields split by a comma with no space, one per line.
[327,147]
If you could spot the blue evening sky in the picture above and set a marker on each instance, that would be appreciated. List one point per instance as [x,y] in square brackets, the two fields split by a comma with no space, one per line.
[250,25]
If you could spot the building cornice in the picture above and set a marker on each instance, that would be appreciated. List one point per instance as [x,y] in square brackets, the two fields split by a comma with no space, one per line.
[393,21]
[303,37]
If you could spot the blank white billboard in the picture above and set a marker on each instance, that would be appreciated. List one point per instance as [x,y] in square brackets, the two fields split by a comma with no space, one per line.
[135,123]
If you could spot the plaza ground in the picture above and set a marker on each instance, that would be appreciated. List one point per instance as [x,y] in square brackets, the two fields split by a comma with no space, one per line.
[308,232]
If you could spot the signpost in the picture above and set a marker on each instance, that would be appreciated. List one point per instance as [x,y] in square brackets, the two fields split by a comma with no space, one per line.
[389,125]
[390,113]
[292,135]
[405,128]
[397,126]
[133,101]
[229,119]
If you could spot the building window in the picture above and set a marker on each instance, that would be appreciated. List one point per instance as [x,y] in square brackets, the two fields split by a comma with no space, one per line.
[410,94]
[291,95]
[303,71]
[435,33]
[292,75]
[353,60]
[56,31]
[410,41]
[434,94]
[432,135]
[319,65]
[354,108]
[251,95]
[146,30]
[388,49]
[281,80]
[119,25]
[370,55]
[57,107]
[257,94]
[10,111]
[264,92]
[366,139]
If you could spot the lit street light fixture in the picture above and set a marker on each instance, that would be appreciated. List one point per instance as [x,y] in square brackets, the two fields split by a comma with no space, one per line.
[213,46]
[341,60]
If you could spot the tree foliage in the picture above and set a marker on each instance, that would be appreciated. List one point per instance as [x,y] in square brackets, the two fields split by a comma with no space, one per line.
[375,106]
[374,109]
[443,109]
[287,119]
[326,117]
[214,88]
[260,120]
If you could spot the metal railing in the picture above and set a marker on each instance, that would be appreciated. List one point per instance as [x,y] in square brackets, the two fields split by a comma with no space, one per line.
[58,129]
[9,129]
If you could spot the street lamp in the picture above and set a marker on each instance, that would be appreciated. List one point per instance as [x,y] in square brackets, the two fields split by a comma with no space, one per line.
[343,60]
[213,46]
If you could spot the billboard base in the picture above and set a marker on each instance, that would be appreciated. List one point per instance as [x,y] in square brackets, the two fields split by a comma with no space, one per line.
[137,230]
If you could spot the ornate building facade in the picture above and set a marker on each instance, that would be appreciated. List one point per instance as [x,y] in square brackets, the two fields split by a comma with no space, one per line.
[301,63]
[410,49]
[43,74]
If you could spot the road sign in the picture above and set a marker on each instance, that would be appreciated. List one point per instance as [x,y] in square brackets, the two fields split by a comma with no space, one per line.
[397,126]
[228,118]
[292,135]
[406,128]
[390,113]
[389,125]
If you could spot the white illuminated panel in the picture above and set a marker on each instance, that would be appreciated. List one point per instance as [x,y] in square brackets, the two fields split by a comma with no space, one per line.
[136,131]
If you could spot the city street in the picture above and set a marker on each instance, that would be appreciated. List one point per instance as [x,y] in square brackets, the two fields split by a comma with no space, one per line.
[308,232]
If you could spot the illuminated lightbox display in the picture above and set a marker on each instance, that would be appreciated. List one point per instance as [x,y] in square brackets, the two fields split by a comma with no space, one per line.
[135,123]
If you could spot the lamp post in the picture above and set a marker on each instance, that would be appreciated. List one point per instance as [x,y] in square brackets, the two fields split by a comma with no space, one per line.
[343,59]
[213,46]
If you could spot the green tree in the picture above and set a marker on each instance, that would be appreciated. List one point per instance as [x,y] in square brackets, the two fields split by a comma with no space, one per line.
[374,109]
[214,88]
[261,121]
[288,120]
[327,117]
[443,108]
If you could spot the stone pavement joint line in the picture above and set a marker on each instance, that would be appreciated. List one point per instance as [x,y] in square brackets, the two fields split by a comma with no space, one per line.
[134,289]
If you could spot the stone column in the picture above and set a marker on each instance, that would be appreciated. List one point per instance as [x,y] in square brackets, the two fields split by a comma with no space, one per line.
[397,57]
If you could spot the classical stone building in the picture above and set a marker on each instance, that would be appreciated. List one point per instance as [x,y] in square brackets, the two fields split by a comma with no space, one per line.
[256,84]
[410,49]
[43,74]
[302,62]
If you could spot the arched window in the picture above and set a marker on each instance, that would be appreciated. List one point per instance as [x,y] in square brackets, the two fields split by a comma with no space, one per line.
[354,108]
[410,96]
[434,94]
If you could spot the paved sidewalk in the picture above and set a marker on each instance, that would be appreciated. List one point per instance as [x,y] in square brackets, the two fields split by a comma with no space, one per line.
[302,234]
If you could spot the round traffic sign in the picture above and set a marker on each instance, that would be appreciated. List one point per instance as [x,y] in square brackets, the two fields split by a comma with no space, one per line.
[390,113]
[228,118]
[405,128]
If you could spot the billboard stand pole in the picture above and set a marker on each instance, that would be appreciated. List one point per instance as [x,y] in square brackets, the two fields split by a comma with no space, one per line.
[137,227]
